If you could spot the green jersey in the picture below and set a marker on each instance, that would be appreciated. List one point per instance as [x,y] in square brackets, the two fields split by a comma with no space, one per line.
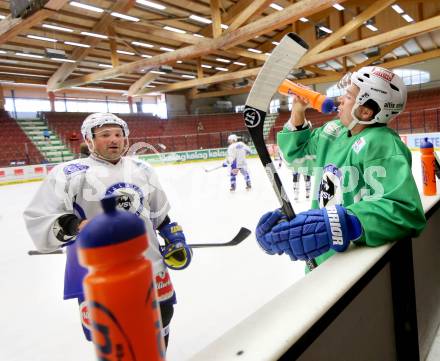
[368,173]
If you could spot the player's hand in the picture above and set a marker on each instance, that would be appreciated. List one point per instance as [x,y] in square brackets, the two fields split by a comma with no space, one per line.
[82,224]
[310,233]
[176,253]
[264,229]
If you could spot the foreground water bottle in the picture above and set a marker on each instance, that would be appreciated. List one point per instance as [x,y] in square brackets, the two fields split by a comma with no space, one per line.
[119,287]
[428,168]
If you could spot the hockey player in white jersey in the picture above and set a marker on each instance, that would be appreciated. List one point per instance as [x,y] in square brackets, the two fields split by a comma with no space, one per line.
[236,160]
[70,196]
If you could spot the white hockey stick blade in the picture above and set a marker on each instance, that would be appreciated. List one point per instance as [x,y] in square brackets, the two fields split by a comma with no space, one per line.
[282,60]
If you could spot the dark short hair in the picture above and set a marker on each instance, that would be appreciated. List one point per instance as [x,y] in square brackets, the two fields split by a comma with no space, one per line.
[373,106]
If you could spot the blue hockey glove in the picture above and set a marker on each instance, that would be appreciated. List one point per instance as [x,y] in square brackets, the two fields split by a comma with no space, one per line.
[176,253]
[264,226]
[225,164]
[310,233]
[234,169]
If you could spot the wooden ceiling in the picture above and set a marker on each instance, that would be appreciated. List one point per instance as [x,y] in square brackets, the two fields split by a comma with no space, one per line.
[218,58]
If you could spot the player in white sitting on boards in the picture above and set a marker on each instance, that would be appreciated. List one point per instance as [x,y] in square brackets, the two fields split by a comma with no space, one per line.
[367,194]
[236,159]
[70,196]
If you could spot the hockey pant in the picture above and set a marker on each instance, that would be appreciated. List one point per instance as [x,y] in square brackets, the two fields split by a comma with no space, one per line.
[296,178]
[244,172]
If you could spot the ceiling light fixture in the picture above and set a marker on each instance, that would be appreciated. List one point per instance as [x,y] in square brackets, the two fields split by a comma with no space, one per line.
[276,6]
[27,55]
[408,18]
[36,37]
[125,52]
[76,44]
[175,30]
[86,7]
[100,36]
[397,9]
[200,19]
[64,60]
[123,16]
[371,27]
[338,7]
[144,45]
[151,4]
[326,30]
[56,27]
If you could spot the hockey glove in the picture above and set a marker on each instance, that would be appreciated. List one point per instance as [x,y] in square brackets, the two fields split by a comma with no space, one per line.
[176,253]
[234,169]
[310,233]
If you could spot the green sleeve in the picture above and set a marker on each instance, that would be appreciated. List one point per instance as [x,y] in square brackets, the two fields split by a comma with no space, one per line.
[392,209]
[299,147]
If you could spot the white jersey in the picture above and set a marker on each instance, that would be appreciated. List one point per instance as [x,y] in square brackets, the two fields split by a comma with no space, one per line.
[237,152]
[76,187]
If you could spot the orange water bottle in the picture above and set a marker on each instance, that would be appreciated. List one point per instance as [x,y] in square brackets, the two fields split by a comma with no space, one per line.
[428,168]
[317,101]
[119,287]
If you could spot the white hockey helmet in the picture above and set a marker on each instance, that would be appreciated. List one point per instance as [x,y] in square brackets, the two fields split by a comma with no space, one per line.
[98,120]
[381,90]
[232,138]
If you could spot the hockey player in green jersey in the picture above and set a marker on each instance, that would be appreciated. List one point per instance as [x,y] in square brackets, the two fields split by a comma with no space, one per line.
[366,193]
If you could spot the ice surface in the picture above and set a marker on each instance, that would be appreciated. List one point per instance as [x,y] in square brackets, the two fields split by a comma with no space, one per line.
[221,287]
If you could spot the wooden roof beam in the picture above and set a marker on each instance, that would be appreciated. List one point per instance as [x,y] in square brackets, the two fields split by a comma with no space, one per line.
[226,41]
[11,27]
[402,33]
[218,78]
[80,53]
[184,38]
[216,18]
[141,83]
[254,9]
[352,25]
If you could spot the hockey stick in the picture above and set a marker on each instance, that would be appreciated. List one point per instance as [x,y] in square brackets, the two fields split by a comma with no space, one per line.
[242,234]
[38,253]
[212,169]
[283,58]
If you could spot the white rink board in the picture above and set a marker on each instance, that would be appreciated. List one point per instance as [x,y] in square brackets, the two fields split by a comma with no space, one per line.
[222,286]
